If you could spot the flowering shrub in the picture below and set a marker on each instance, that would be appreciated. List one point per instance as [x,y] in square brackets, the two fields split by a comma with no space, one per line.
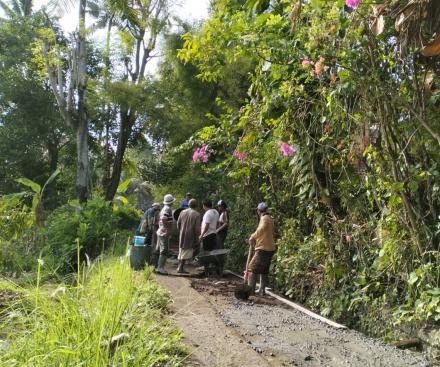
[239,155]
[287,150]
[352,3]
[319,66]
[306,63]
[200,154]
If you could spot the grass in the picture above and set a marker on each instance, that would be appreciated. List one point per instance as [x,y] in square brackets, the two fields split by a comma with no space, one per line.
[73,325]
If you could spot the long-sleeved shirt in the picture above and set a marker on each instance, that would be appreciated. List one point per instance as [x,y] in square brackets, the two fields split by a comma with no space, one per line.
[263,236]
[188,225]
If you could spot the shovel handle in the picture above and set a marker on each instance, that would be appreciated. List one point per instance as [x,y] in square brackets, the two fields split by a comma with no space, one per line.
[246,272]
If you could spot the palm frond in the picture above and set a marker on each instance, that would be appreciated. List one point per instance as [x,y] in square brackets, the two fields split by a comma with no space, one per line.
[61,7]
[8,11]
[26,7]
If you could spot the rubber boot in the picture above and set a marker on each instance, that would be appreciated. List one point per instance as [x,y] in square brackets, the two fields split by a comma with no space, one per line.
[263,283]
[181,268]
[252,282]
[161,264]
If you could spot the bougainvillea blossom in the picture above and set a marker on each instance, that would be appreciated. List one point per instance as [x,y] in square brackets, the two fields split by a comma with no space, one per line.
[306,63]
[287,150]
[352,3]
[239,155]
[200,154]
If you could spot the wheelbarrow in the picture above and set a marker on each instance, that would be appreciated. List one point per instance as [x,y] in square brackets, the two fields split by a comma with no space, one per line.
[213,260]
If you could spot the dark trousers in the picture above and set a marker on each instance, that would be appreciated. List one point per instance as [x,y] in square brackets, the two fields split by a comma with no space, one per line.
[209,242]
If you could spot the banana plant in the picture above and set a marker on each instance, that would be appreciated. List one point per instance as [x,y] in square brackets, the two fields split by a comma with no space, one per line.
[37,194]
[120,198]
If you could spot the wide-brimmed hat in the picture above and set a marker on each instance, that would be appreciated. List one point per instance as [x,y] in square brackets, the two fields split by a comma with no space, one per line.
[155,205]
[168,199]
[262,207]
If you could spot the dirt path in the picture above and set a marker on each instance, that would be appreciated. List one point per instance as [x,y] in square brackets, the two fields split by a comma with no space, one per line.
[222,331]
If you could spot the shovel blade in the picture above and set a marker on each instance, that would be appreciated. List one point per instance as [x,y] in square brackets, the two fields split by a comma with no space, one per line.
[243,291]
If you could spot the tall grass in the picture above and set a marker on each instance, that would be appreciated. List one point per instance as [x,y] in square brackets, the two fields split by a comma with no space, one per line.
[74,325]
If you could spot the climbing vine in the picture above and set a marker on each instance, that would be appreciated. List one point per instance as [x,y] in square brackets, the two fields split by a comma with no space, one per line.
[338,134]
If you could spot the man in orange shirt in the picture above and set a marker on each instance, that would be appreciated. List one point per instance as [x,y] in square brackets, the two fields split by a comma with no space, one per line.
[263,238]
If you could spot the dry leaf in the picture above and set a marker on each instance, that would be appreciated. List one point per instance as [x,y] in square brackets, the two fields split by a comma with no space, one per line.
[433,49]
[428,82]
[377,23]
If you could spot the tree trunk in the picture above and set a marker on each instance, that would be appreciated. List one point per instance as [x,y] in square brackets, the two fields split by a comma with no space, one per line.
[82,129]
[52,152]
[82,168]
[127,121]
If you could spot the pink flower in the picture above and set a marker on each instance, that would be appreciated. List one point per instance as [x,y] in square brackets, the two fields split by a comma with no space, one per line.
[352,3]
[287,150]
[319,66]
[239,155]
[306,63]
[200,154]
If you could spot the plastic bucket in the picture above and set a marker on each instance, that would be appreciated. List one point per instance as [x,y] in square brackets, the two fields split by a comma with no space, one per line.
[139,241]
[139,256]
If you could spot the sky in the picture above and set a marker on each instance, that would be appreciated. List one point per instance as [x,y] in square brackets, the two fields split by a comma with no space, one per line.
[190,10]
[185,9]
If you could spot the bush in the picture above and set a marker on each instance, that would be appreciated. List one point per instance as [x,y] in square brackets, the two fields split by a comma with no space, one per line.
[18,240]
[127,216]
[299,262]
[91,227]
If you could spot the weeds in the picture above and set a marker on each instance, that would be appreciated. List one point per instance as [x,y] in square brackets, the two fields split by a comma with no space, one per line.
[74,325]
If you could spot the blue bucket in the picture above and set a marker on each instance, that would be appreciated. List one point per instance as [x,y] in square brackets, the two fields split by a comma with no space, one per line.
[139,241]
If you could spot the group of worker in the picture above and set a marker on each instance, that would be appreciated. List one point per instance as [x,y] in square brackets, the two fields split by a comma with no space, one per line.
[207,233]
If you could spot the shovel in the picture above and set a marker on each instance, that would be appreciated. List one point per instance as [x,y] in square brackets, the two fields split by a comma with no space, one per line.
[243,291]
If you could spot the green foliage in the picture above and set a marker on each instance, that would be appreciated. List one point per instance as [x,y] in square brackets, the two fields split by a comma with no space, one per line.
[74,325]
[93,224]
[19,238]
[37,194]
[357,205]
[31,133]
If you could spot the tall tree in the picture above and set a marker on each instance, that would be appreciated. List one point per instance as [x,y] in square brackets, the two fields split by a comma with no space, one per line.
[139,25]
[31,129]
[71,95]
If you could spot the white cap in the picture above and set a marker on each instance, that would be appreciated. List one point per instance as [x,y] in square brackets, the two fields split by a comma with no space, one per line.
[262,207]
[168,199]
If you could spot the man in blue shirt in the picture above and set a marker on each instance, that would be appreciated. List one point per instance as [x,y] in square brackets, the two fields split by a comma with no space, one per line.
[185,202]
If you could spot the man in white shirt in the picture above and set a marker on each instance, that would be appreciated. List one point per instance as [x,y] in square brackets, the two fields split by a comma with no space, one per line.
[208,234]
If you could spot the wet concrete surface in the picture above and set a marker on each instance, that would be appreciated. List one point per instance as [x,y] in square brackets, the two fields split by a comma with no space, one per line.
[223,331]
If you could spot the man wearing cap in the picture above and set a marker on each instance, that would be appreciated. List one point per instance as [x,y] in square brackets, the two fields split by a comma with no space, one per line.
[188,225]
[263,238]
[150,224]
[185,202]
[164,232]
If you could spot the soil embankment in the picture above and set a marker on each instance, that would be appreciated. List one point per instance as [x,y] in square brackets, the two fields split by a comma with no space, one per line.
[221,331]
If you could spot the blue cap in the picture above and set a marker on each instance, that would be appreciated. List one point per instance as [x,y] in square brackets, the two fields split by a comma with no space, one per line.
[262,207]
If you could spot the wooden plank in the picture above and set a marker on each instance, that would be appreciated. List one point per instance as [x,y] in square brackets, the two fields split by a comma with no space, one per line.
[408,343]
[298,307]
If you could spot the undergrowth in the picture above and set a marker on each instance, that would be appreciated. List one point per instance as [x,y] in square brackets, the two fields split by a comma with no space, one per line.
[73,324]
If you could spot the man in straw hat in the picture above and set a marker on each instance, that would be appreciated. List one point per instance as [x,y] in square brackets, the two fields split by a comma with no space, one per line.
[164,232]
